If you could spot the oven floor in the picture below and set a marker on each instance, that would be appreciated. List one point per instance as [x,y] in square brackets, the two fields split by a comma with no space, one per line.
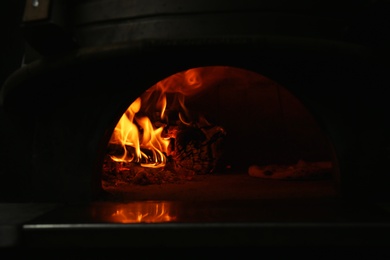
[232,186]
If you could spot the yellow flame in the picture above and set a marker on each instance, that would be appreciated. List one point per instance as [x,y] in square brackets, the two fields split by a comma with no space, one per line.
[136,133]
[154,142]
[127,133]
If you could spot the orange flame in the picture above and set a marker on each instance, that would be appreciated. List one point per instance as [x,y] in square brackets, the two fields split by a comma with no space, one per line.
[127,133]
[140,134]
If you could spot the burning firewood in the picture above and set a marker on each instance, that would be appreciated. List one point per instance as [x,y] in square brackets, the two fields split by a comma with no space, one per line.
[194,151]
[197,150]
[302,170]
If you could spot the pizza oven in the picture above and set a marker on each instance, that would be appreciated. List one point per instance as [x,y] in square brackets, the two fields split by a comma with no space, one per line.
[233,119]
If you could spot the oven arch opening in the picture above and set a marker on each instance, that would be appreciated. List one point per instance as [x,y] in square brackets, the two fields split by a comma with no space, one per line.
[260,130]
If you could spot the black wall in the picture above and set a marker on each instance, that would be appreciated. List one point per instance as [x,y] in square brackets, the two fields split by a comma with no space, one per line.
[11,56]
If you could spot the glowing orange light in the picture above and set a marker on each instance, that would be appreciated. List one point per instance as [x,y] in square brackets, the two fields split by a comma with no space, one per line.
[149,146]
[142,212]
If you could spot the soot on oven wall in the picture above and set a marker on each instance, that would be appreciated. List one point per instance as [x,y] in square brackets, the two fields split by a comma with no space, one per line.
[219,121]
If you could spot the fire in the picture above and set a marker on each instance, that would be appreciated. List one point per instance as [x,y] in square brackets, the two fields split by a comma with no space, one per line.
[140,134]
[163,136]
[126,133]
[145,139]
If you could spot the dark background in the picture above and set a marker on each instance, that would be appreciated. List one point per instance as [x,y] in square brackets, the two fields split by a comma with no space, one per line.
[12,48]
[12,42]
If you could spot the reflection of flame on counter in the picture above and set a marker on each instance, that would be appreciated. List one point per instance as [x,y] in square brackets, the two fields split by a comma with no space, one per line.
[141,212]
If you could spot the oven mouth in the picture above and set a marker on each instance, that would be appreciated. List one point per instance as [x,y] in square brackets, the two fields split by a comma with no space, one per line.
[208,133]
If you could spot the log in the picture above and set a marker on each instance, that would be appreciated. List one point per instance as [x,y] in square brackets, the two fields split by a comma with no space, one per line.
[198,149]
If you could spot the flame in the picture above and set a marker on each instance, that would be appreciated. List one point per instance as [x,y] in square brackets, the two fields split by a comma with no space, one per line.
[143,132]
[150,212]
[128,133]
[140,139]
